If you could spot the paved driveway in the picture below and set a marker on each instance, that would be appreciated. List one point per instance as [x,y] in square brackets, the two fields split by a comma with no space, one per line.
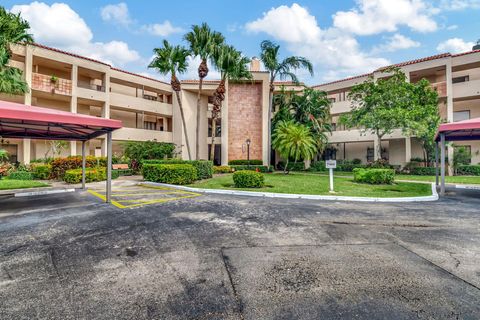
[224,257]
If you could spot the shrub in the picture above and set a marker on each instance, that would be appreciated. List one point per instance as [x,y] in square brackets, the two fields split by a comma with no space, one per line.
[348,166]
[374,176]
[292,166]
[356,161]
[248,179]
[263,169]
[20,175]
[469,170]
[61,165]
[91,175]
[222,169]
[170,173]
[41,171]
[317,166]
[204,167]
[137,151]
[423,171]
[245,162]
[379,164]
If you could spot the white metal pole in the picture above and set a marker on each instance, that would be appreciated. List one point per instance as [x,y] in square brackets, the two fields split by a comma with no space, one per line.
[83,164]
[109,167]
[331,179]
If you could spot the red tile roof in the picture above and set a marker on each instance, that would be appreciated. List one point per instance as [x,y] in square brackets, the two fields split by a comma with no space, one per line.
[68,53]
[204,81]
[139,75]
[402,64]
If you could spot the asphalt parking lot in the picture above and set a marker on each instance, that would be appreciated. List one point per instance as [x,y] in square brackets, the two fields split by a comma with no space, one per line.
[70,256]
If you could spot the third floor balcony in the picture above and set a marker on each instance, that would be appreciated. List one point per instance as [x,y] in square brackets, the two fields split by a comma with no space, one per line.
[51,84]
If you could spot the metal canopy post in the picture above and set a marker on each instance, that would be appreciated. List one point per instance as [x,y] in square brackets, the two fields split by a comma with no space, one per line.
[442,161]
[436,163]
[109,167]
[83,164]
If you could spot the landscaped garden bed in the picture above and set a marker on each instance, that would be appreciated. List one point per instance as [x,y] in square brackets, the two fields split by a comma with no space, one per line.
[314,184]
[8,184]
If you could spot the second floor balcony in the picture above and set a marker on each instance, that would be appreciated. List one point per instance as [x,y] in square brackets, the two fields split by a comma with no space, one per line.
[52,84]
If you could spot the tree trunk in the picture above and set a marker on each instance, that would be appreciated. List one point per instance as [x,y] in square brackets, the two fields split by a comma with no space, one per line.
[285,170]
[182,115]
[212,146]
[378,150]
[269,140]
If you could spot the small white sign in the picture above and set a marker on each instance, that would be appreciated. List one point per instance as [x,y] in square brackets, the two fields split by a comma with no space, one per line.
[331,164]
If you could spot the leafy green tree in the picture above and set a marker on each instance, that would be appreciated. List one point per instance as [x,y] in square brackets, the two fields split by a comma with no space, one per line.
[461,157]
[379,106]
[13,29]
[3,155]
[294,140]
[310,108]
[422,117]
[280,69]
[232,65]
[137,151]
[202,41]
[173,60]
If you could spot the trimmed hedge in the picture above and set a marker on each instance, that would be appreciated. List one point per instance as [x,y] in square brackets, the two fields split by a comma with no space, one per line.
[248,179]
[41,171]
[245,162]
[423,171]
[469,170]
[374,176]
[292,166]
[61,165]
[204,167]
[91,175]
[221,169]
[263,169]
[317,166]
[20,175]
[349,167]
[170,173]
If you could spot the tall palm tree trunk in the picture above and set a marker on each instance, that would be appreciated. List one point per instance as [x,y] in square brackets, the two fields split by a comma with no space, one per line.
[214,133]
[269,133]
[182,115]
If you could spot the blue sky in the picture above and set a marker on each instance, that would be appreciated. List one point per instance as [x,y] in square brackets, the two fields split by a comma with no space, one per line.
[342,38]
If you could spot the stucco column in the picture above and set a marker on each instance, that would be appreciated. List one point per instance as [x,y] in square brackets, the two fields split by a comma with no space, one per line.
[28,99]
[408,149]
[449,111]
[73,104]
[450,151]
[106,108]
[224,125]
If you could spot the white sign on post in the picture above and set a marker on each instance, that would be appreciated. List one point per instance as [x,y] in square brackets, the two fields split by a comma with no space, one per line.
[330,165]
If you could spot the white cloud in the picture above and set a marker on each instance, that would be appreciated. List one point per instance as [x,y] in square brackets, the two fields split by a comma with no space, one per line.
[455,45]
[335,53]
[452,27]
[376,16]
[116,13]
[162,29]
[455,5]
[396,42]
[61,27]
[192,71]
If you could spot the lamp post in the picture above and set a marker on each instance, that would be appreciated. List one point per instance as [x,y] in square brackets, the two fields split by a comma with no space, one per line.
[248,151]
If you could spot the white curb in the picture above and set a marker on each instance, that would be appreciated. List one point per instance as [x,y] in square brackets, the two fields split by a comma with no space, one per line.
[433,197]
[39,193]
[470,187]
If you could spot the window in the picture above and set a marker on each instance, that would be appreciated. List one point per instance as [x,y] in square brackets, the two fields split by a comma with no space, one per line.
[218,124]
[461,115]
[334,127]
[461,79]
[342,96]
[150,125]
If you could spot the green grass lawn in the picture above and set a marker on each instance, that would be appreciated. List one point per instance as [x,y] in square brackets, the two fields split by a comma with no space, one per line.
[6,184]
[302,183]
[448,179]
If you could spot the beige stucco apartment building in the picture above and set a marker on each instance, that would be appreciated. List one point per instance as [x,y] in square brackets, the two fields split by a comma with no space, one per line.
[456,78]
[150,112]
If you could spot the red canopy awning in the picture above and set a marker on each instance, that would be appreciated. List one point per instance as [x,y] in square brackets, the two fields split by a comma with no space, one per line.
[22,121]
[461,130]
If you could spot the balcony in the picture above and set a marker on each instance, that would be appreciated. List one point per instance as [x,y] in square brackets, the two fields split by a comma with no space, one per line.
[140,104]
[95,87]
[341,107]
[466,89]
[132,134]
[48,83]
[440,88]
[356,135]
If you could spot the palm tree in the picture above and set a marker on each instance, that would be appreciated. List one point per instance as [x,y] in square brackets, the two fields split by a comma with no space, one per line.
[283,69]
[173,60]
[233,66]
[294,140]
[202,41]
[13,29]
[3,155]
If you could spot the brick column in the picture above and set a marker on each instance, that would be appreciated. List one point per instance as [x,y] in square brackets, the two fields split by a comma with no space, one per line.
[73,104]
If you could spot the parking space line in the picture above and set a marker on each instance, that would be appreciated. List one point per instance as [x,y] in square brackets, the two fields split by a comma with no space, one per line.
[104,198]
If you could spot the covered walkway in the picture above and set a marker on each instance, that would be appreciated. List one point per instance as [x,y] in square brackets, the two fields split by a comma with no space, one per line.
[22,121]
[466,130]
